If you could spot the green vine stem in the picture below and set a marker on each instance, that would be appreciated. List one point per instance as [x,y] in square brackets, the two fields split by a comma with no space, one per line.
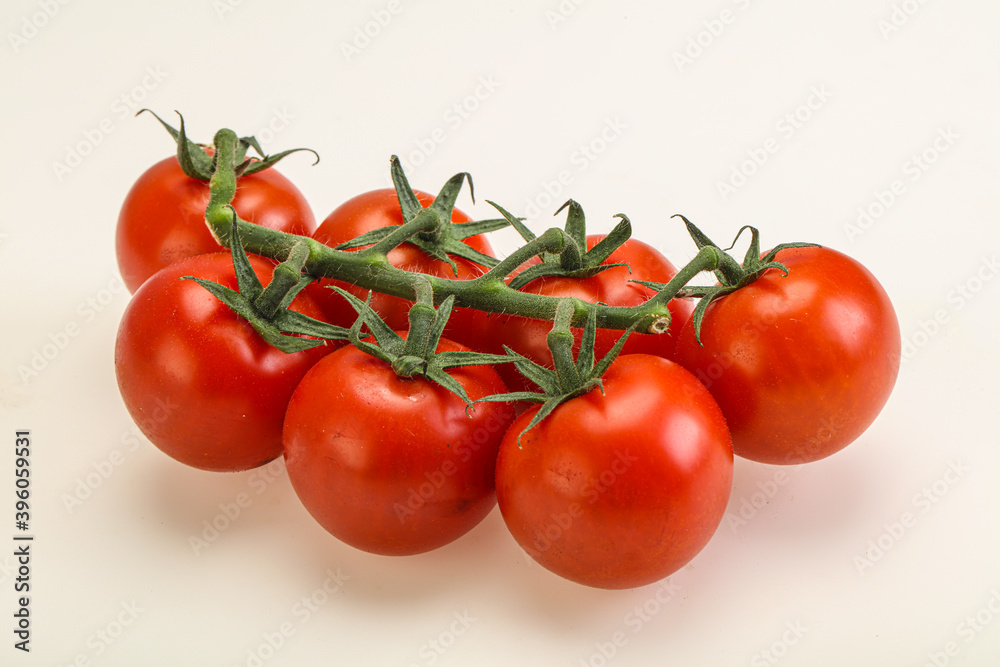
[370,269]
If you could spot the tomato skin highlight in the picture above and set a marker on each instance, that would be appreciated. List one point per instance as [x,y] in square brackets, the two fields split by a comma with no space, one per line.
[380,208]
[800,365]
[391,465]
[162,219]
[622,488]
[198,380]
[612,287]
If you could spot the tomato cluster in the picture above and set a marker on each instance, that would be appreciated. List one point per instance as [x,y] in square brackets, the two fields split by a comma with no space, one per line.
[401,432]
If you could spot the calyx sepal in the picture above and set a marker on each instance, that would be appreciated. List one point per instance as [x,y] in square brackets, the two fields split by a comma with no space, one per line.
[575,260]
[570,377]
[266,308]
[731,274]
[199,164]
[416,354]
[443,238]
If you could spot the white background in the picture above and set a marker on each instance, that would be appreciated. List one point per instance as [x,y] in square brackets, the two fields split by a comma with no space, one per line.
[637,109]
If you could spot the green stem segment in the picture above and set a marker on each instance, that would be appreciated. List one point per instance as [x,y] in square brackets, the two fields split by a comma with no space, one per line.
[222,187]
[560,342]
[286,282]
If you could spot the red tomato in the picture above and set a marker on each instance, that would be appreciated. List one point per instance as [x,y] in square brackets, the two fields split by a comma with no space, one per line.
[612,287]
[620,488]
[197,379]
[800,365]
[380,208]
[162,220]
[393,465]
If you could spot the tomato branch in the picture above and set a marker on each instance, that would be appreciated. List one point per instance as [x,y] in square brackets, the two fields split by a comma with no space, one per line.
[370,269]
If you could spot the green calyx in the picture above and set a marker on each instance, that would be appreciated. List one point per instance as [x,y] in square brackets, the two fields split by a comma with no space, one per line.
[416,355]
[574,261]
[570,377]
[731,274]
[197,163]
[266,308]
[442,238]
